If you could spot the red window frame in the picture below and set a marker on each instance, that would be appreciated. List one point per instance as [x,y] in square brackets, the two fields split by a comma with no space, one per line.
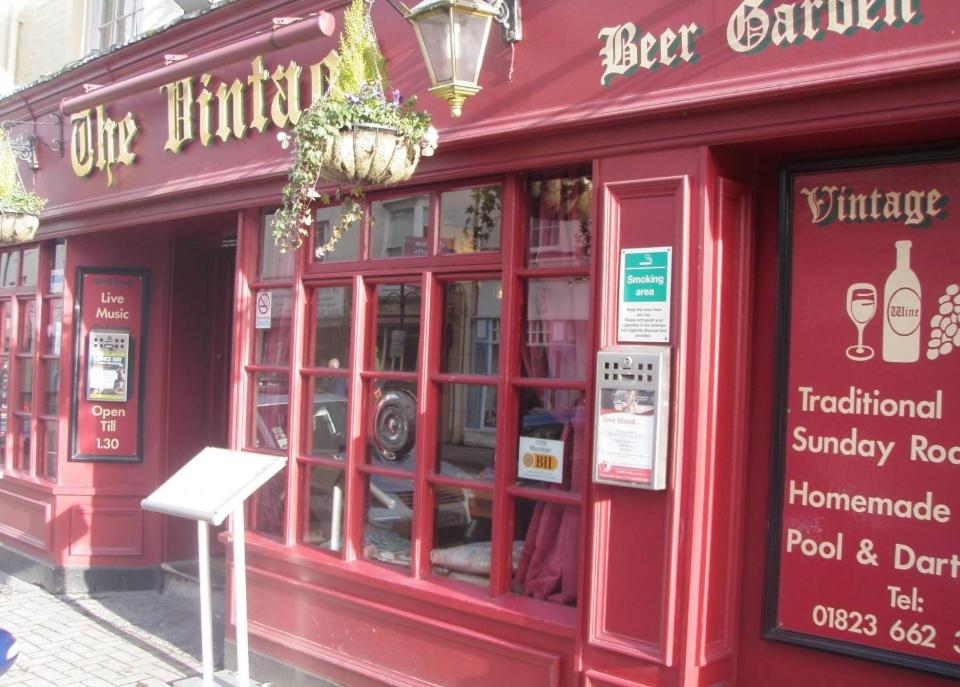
[431,272]
[26,454]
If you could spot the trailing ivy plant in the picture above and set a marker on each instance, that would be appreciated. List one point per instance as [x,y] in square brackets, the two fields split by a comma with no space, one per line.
[356,95]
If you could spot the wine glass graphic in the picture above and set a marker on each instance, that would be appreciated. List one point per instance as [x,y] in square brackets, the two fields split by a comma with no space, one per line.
[861,307]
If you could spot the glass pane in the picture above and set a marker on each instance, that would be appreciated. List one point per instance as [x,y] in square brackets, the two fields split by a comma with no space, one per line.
[51,371]
[333,310]
[28,326]
[9,268]
[470,220]
[462,534]
[386,532]
[273,263]
[22,456]
[548,563]
[472,328]
[398,227]
[60,255]
[25,392]
[560,230]
[393,425]
[556,332]
[4,380]
[31,260]
[435,34]
[329,417]
[552,447]
[469,35]
[398,327]
[54,329]
[49,467]
[274,311]
[467,431]
[347,246]
[7,325]
[268,505]
[323,507]
[272,394]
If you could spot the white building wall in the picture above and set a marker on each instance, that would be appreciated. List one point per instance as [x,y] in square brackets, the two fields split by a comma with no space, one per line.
[53,33]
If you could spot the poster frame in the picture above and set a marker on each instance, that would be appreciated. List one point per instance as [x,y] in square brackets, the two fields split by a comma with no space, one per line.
[788,172]
[137,364]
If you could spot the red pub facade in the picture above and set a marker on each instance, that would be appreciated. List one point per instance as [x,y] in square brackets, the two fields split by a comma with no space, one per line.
[646,378]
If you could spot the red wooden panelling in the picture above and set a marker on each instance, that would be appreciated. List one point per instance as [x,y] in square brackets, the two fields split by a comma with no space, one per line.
[99,531]
[635,557]
[380,642]
[24,519]
[726,403]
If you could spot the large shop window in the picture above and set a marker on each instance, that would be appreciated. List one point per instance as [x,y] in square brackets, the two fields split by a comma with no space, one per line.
[31,318]
[412,373]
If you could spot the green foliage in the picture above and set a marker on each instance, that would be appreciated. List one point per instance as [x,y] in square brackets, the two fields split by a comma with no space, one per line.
[13,197]
[361,62]
[356,96]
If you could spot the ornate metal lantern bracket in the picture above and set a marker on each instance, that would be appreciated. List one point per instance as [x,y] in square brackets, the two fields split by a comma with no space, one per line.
[24,145]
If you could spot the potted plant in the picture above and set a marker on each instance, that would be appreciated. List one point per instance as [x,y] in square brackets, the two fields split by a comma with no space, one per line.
[353,135]
[19,209]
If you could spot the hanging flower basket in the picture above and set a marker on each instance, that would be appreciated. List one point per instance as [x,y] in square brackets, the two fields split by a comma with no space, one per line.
[17,227]
[355,135]
[370,155]
[19,209]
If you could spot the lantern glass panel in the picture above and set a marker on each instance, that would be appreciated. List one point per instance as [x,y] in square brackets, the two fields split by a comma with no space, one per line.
[470,38]
[435,34]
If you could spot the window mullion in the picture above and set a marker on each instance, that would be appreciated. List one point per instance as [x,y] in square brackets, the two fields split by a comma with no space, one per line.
[36,399]
[426,445]
[298,311]
[509,369]
[355,483]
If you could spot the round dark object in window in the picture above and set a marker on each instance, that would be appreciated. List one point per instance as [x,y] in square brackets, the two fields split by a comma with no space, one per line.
[394,423]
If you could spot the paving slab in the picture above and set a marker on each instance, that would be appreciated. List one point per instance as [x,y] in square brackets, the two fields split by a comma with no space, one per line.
[109,639]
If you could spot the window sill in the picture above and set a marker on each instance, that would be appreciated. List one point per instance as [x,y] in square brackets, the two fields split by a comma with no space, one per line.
[524,612]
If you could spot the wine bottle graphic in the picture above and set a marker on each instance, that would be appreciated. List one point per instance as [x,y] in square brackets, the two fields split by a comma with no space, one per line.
[901,310]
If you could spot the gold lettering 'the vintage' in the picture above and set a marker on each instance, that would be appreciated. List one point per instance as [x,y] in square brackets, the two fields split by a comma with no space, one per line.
[110,145]
[179,120]
[285,108]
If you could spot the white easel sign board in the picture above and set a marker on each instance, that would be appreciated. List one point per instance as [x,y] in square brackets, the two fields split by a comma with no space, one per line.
[213,484]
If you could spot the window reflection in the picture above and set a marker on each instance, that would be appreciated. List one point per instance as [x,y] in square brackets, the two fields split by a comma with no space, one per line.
[472,330]
[398,326]
[552,427]
[399,227]
[268,505]
[272,396]
[556,329]
[274,308]
[332,309]
[323,496]
[393,425]
[547,564]
[328,435]
[347,246]
[467,431]
[273,263]
[559,207]
[389,521]
[470,220]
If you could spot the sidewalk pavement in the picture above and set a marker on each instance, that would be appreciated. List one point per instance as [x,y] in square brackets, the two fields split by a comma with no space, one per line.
[110,639]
